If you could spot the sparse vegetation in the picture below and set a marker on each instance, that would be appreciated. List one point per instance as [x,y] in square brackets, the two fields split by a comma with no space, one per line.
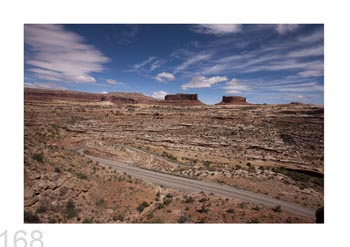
[70,209]
[277,209]
[210,143]
[142,206]
[182,219]
[38,157]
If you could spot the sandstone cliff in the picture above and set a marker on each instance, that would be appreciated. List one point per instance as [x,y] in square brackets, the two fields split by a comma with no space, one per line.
[233,100]
[182,99]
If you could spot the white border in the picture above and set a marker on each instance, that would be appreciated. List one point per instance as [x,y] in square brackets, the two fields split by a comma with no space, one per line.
[15,13]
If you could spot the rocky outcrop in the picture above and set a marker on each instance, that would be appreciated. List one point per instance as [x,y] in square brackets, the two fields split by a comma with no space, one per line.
[233,100]
[116,98]
[47,95]
[182,99]
[181,96]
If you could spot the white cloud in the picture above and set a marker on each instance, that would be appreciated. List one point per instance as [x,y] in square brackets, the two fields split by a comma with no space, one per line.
[311,73]
[104,92]
[192,61]
[165,76]
[203,82]
[307,52]
[234,87]
[143,63]
[296,87]
[61,55]
[43,85]
[286,28]
[312,38]
[159,94]
[114,82]
[217,29]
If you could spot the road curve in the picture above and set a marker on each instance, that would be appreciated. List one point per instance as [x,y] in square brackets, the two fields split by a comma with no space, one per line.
[191,185]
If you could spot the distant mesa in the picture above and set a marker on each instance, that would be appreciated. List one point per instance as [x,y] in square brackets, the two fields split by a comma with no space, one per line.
[122,98]
[182,99]
[233,100]
[116,98]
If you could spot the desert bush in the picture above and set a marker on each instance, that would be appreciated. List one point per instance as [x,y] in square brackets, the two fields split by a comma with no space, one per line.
[81,175]
[41,209]
[142,206]
[182,219]
[29,217]
[230,210]
[70,209]
[150,215]
[169,195]
[38,157]
[189,199]
[206,163]
[100,203]
[58,170]
[277,209]
[169,156]
[87,221]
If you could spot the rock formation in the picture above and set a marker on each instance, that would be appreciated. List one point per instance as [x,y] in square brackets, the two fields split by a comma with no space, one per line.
[182,99]
[116,98]
[233,100]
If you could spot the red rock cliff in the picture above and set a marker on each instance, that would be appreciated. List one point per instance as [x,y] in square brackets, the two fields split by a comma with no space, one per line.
[182,99]
[233,100]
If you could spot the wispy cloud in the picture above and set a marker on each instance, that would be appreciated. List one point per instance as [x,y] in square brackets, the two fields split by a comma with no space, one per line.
[217,29]
[114,82]
[159,94]
[165,76]
[143,63]
[43,85]
[316,36]
[234,87]
[203,82]
[286,28]
[192,60]
[61,55]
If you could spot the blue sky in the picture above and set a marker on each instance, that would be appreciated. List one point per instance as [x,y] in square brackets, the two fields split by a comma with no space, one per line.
[275,63]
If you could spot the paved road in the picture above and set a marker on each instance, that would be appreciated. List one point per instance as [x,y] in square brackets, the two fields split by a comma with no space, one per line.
[191,185]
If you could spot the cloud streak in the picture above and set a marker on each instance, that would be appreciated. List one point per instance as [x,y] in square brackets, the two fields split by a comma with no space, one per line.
[61,55]
[217,29]
[114,82]
[286,28]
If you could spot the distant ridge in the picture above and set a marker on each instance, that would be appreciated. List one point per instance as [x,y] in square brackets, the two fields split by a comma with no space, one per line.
[116,98]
